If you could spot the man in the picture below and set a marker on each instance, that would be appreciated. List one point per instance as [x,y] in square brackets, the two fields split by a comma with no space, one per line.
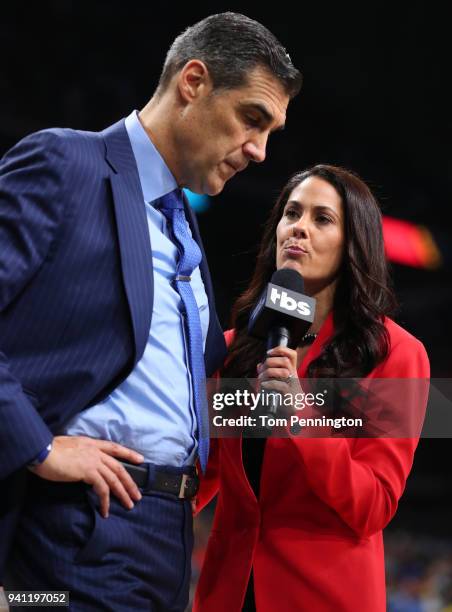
[106,309]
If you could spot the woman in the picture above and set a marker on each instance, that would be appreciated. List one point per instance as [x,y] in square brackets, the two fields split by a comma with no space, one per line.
[298,524]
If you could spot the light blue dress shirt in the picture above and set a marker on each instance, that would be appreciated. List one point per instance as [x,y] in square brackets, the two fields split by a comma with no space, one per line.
[152,410]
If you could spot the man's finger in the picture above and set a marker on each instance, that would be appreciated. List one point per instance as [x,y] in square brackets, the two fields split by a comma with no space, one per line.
[126,479]
[102,490]
[117,450]
[116,487]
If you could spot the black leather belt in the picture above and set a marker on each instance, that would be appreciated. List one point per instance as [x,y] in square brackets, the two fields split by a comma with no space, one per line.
[183,486]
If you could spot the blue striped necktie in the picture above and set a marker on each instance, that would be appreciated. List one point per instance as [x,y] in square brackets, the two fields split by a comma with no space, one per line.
[172,206]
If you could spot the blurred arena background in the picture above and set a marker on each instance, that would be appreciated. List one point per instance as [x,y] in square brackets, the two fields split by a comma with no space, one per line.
[374,100]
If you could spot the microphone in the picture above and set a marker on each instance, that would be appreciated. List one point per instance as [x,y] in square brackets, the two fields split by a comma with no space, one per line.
[282,316]
[283,313]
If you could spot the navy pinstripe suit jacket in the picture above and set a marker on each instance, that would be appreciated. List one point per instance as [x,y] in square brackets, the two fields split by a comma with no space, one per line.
[76,289]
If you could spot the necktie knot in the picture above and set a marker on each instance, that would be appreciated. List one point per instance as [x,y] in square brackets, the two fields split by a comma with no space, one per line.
[171,201]
[172,207]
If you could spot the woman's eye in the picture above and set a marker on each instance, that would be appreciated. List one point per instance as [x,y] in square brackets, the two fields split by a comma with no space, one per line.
[291,213]
[323,219]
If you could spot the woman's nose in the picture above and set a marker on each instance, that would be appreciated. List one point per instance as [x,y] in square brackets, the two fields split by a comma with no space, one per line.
[300,228]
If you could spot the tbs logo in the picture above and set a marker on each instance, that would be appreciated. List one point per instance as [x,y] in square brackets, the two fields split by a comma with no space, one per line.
[285,301]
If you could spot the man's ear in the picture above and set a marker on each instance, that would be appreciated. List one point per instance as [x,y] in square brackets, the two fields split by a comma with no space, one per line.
[193,81]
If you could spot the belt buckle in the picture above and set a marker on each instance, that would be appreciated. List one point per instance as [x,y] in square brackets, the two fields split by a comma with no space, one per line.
[183,484]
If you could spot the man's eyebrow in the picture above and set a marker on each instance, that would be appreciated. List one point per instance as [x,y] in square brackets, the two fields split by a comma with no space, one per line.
[263,110]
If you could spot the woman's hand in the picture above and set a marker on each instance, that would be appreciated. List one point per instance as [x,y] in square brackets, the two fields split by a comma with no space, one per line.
[279,371]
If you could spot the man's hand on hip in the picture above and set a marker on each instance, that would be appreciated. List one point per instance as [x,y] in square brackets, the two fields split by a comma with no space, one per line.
[79,458]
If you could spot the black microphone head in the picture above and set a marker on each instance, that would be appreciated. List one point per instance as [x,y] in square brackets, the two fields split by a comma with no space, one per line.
[283,305]
[289,279]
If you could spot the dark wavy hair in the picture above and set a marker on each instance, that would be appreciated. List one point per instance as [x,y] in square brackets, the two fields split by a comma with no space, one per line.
[363,294]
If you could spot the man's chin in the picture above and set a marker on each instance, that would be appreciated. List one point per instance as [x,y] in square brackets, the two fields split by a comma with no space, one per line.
[211,185]
[214,188]
[214,192]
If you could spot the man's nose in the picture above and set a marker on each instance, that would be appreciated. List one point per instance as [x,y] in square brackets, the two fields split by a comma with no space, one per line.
[255,149]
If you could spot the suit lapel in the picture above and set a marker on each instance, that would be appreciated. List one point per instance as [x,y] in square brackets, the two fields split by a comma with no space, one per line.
[135,247]
[133,233]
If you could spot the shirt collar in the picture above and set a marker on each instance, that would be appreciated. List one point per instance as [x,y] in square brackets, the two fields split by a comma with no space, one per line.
[155,176]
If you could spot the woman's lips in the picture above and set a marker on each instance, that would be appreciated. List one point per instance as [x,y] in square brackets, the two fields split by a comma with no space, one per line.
[294,251]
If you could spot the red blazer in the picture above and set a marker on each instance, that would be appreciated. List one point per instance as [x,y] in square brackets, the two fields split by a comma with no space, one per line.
[314,536]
